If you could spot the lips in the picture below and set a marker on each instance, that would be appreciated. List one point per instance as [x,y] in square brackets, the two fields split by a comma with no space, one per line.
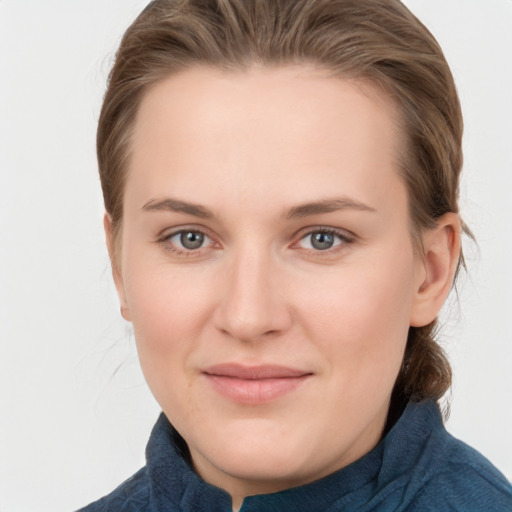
[254,385]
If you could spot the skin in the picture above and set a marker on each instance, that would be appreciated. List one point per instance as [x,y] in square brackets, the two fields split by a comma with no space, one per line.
[252,148]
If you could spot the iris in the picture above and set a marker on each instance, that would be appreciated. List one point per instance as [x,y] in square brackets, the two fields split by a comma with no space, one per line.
[321,240]
[191,239]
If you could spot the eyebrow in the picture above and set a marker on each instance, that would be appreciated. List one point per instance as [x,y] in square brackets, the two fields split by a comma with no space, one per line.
[175,205]
[296,212]
[326,206]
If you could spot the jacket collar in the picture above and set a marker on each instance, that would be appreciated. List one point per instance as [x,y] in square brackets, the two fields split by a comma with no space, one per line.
[175,486]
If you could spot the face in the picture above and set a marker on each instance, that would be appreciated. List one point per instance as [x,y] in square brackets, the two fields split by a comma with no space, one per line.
[267,267]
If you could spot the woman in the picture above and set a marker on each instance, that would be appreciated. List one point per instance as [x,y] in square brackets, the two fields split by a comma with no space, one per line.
[280,181]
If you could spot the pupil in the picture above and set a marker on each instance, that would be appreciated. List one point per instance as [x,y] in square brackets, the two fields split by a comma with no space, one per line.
[322,241]
[192,240]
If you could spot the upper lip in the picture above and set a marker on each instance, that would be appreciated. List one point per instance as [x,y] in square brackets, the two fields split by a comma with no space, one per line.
[259,372]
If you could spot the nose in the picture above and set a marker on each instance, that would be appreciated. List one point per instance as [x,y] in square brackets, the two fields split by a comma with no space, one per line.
[252,299]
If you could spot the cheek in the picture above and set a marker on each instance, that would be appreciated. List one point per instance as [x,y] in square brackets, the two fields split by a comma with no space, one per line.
[164,307]
[167,321]
[168,311]
[360,316]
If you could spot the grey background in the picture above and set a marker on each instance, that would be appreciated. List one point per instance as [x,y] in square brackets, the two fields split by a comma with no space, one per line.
[75,413]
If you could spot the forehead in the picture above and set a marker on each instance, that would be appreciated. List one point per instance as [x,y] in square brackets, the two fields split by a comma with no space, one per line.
[275,133]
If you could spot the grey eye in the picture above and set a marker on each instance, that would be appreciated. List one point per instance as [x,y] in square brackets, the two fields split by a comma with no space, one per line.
[191,239]
[321,240]
[186,241]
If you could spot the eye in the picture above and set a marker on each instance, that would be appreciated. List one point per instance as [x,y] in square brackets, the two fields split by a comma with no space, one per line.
[322,240]
[188,240]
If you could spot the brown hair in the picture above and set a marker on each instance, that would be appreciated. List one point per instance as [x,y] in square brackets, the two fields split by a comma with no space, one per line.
[376,40]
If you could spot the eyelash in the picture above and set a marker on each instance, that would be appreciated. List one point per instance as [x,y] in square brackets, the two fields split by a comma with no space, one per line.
[344,238]
[166,241]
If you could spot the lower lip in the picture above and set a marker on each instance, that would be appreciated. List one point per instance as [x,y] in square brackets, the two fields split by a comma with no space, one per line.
[254,392]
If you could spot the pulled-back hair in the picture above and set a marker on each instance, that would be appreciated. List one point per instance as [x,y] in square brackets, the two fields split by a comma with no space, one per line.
[379,41]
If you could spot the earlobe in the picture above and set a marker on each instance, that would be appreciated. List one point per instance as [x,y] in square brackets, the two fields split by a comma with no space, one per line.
[113,253]
[441,247]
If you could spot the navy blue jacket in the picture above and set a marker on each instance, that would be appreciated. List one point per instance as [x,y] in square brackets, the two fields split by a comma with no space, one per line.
[417,467]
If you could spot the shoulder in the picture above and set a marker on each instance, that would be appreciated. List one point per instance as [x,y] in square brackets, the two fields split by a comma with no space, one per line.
[131,496]
[462,479]
[426,469]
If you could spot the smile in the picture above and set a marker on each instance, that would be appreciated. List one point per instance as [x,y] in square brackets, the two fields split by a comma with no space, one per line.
[254,385]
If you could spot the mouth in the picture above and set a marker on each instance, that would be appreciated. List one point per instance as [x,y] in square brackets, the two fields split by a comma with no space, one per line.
[254,385]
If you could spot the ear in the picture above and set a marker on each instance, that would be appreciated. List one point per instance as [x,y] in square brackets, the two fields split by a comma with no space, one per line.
[436,271]
[113,253]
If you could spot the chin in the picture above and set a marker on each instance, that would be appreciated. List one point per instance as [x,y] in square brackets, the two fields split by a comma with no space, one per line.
[260,452]
[273,471]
